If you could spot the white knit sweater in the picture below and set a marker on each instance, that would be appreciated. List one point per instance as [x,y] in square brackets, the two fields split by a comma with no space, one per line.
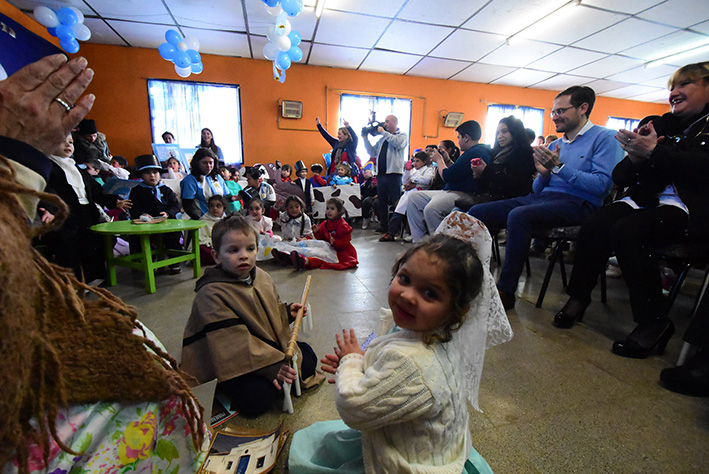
[404,396]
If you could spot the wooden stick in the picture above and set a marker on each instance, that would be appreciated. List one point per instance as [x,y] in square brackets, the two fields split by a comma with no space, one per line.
[298,321]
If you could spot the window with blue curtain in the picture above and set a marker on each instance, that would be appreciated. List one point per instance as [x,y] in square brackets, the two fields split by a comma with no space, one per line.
[357,109]
[618,123]
[184,108]
[531,117]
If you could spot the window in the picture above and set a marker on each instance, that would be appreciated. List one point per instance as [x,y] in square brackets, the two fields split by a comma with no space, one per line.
[617,123]
[185,108]
[531,118]
[356,109]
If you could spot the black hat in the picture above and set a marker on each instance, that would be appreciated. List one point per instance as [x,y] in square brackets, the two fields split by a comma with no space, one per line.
[87,127]
[316,168]
[300,166]
[144,162]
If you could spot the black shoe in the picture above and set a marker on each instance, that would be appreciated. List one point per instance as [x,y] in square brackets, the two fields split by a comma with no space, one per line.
[572,311]
[645,338]
[381,230]
[174,269]
[281,258]
[692,378]
[508,300]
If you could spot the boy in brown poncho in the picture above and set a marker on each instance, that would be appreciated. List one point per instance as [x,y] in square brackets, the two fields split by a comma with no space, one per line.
[238,329]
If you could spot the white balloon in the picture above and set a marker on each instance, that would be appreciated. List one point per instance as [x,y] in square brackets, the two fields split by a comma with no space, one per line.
[274,10]
[288,28]
[270,51]
[46,17]
[183,71]
[182,46]
[283,43]
[79,15]
[81,32]
[192,43]
[271,33]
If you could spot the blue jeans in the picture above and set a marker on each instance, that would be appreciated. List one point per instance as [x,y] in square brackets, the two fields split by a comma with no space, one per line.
[388,193]
[523,215]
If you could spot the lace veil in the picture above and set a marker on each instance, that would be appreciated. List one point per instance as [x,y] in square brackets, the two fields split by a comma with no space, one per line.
[486,324]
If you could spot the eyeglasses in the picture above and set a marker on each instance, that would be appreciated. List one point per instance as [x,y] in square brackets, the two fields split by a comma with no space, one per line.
[560,110]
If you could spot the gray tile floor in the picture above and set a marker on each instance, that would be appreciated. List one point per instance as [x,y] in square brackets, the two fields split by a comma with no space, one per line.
[553,401]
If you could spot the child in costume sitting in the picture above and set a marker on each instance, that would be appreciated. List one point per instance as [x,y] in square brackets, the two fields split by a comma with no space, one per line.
[216,205]
[317,179]
[262,224]
[342,177]
[405,400]
[338,233]
[238,329]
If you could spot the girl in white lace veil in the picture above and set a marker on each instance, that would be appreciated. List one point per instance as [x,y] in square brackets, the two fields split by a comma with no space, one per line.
[486,323]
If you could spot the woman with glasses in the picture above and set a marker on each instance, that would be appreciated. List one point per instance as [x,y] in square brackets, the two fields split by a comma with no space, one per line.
[666,171]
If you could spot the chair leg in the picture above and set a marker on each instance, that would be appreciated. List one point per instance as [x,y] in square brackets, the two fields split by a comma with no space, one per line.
[547,277]
[562,267]
[674,291]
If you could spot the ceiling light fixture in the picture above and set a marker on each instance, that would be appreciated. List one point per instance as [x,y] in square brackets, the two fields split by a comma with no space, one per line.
[547,22]
[676,56]
[319,8]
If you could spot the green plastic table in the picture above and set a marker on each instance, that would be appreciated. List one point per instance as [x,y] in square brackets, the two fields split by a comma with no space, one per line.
[144,259]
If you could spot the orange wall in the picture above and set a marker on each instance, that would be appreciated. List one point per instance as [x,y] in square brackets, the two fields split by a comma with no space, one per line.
[122,107]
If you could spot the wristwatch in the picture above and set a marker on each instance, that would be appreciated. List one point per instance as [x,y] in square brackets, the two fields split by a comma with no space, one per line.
[557,168]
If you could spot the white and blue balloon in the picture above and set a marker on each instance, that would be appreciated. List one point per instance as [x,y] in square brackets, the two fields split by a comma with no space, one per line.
[67,24]
[282,47]
[183,52]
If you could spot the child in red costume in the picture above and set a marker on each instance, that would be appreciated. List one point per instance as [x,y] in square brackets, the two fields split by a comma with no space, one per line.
[336,231]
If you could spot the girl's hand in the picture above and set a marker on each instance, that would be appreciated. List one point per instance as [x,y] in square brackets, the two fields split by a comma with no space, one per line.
[315,227]
[285,374]
[124,204]
[294,307]
[163,214]
[478,166]
[347,343]
[47,216]
[330,364]
[332,239]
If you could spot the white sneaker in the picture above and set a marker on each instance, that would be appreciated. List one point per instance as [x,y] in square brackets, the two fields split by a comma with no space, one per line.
[408,239]
[365,223]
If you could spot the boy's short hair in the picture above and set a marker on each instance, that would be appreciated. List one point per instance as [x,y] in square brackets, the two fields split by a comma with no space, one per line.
[254,173]
[231,223]
[470,128]
[121,160]
[217,197]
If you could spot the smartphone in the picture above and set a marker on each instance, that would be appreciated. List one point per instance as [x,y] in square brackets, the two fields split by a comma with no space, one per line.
[476,161]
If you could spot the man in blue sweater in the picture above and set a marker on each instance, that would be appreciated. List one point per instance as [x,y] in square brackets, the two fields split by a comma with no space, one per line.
[574,179]
[427,209]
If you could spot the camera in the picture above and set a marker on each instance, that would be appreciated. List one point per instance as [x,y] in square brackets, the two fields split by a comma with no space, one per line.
[372,125]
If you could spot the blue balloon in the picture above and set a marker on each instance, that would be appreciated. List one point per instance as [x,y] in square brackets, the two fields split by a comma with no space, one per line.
[295,38]
[167,51]
[283,61]
[271,3]
[67,16]
[295,53]
[173,37]
[52,31]
[292,7]
[194,56]
[182,59]
[65,32]
[71,46]
[197,68]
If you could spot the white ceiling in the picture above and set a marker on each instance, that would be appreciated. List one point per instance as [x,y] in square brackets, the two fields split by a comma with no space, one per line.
[600,43]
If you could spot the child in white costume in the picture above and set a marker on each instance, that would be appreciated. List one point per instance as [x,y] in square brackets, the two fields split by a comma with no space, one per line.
[407,396]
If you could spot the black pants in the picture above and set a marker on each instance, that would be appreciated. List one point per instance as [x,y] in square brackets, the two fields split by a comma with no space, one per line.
[629,233]
[388,194]
[252,395]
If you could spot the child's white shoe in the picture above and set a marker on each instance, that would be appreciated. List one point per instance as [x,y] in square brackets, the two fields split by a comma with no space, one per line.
[365,223]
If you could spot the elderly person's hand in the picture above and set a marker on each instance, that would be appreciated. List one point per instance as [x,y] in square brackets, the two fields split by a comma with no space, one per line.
[638,144]
[40,104]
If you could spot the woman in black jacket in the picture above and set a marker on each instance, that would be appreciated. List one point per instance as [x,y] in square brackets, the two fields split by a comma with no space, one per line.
[666,171]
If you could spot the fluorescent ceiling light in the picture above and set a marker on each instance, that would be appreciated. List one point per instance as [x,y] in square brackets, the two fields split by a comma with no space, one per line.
[670,58]
[319,8]
[550,21]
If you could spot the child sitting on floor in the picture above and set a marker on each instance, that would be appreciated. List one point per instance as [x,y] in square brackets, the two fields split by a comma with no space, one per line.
[153,199]
[238,329]
[406,398]
[262,224]
[343,175]
[295,224]
[338,233]
[228,174]
[216,205]
[257,187]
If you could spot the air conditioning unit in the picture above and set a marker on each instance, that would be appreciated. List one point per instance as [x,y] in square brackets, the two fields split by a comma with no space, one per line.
[453,119]
[291,109]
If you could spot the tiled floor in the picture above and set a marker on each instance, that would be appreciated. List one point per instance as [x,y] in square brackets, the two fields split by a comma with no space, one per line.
[553,401]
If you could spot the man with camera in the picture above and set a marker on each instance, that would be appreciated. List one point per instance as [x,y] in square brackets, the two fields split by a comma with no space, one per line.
[390,151]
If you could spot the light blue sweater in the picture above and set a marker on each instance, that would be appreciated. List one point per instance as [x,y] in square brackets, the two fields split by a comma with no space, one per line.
[588,163]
